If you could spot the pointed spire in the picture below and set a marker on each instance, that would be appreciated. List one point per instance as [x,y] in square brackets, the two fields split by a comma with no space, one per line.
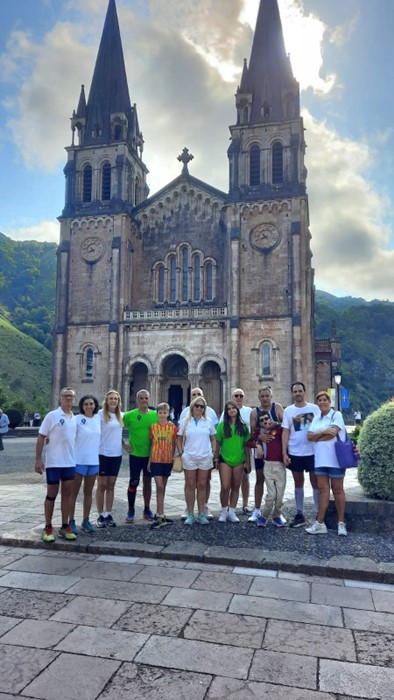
[109,92]
[81,109]
[244,84]
[270,76]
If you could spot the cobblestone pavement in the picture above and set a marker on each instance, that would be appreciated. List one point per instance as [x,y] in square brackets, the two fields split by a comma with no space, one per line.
[90,626]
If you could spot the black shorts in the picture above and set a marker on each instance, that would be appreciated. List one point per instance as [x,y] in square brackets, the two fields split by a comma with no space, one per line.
[302,464]
[161,469]
[109,466]
[258,463]
[136,465]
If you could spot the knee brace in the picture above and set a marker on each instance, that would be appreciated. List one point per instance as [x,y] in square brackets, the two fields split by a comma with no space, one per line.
[133,486]
[50,498]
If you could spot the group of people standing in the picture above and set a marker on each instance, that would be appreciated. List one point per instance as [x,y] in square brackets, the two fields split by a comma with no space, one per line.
[87,447]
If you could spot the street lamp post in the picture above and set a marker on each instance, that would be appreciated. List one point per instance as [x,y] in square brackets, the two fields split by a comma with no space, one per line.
[337,379]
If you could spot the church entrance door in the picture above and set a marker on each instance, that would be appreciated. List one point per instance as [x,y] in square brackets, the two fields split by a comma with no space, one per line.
[211,384]
[138,380]
[175,384]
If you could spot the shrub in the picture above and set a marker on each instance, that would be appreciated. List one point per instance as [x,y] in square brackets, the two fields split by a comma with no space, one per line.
[376,445]
[355,434]
[15,417]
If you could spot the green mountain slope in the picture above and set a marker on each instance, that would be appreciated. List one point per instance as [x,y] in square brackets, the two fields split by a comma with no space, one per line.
[25,371]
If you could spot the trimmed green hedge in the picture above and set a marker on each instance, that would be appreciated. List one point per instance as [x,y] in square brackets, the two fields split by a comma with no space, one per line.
[376,445]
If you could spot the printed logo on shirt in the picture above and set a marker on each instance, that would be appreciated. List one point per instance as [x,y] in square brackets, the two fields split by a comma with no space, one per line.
[303,421]
[62,421]
[83,421]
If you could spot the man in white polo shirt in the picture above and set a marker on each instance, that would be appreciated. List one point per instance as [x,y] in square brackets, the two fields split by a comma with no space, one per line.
[57,432]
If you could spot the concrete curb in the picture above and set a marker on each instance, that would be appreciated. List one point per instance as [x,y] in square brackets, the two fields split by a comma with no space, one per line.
[345,567]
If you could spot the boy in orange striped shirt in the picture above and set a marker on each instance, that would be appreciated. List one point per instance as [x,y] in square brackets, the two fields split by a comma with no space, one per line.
[163,438]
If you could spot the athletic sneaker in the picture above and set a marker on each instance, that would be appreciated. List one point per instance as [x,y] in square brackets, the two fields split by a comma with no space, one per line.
[255,516]
[246,511]
[129,517]
[86,525]
[101,521]
[262,522]
[298,520]
[223,515]
[148,515]
[190,519]
[159,522]
[317,529]
[208,512]
[280,521]
[73,526]
[232,517]
[47,534]
[202,519]
[342,529]
[66,533]
[110,521]
[185,514]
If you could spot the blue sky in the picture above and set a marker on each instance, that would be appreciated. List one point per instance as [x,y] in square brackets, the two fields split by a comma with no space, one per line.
[183,63]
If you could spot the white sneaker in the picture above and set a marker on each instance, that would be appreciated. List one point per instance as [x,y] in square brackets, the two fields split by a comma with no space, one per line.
[232,516]
[207,512]
[342,529]
[223,515]
[255,516]
[317,529]
[185,514]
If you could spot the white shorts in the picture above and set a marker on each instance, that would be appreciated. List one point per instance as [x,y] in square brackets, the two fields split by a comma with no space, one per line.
[191,463]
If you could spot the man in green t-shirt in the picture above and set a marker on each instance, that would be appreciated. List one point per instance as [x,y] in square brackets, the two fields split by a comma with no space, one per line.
[138,422]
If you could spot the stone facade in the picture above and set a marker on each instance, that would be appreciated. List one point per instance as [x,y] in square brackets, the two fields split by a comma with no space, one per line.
[191,285]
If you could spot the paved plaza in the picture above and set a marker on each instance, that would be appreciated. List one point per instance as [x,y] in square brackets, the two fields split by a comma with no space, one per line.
[164,623]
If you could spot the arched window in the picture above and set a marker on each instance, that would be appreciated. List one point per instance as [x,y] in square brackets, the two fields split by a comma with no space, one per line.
[196,278]
[118,132]
[89,363]
[277,163]
[172,279]
[209,281]
[160,284]
[106,182]
[254,165]
[245,115]
[266,360]
[87,184]
[185,274]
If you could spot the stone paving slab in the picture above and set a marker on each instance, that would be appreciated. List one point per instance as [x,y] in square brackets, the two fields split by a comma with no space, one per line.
[107,643]
[106,570]
[149,683]
[223,582]
[230,689]
[131,549]
[187,551]
[206,600]
[72,677]
[46,565]
[9,558]
[284,610]
[357,679]
[279,588]
[375,649]
[38,582]
[226,628]
[96,612]
[383,601]
[234,556]
[171,563]
[158,619]
[31,604]
[7,623]
[277,667]
[166,576]
[39,634]
[366,620]
[308,640]
[203,657]
[359,598]
[19,666]
[122,590]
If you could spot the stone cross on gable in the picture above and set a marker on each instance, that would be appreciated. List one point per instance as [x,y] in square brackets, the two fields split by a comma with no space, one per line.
[185,158]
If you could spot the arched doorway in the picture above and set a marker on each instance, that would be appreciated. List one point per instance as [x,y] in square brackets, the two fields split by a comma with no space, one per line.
[211,384]
[138,380]
[175,387]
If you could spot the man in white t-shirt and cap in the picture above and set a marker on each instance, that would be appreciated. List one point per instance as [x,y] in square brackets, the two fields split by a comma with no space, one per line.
[210,413]
[57,432]
[298,453]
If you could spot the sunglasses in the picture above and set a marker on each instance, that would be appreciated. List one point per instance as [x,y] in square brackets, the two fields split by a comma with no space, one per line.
[199,405]
[239,396]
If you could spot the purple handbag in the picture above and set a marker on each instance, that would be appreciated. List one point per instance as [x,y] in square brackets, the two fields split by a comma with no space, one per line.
[347,454]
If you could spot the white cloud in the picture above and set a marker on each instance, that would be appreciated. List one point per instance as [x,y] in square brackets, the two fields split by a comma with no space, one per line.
[350,238]
[41,231]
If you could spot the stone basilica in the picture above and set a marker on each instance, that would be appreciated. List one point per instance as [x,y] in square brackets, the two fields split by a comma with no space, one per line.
[192,285]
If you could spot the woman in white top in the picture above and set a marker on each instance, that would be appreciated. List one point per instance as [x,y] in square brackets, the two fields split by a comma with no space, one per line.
[87,443]
[323,433]
[110,456]
[196,443]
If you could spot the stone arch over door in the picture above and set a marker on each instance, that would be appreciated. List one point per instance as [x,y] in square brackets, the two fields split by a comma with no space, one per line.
[138,379]
[211,384]
[175,388]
